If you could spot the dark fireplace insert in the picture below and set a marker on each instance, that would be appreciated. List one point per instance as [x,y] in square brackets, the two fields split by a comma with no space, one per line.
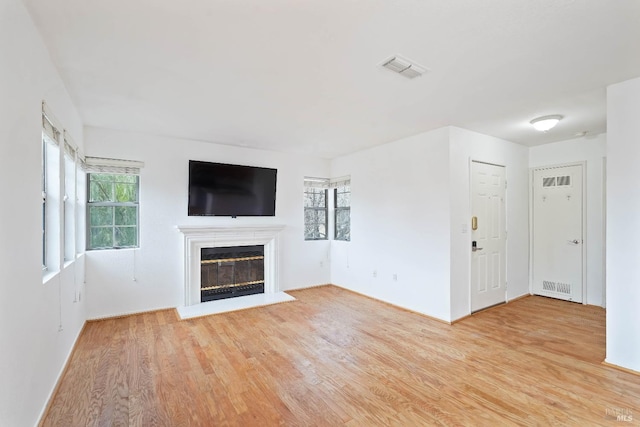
[228,272]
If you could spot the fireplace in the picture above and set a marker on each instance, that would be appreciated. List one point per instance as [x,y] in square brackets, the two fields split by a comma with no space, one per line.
[227,272]
[199,239]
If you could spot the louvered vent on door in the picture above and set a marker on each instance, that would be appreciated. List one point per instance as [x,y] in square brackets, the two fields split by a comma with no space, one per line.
[549,181]
[561,288]
[556,181]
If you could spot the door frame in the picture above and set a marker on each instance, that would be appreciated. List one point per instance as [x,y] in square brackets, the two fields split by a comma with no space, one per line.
[506,228]
[604,232]
[583,164]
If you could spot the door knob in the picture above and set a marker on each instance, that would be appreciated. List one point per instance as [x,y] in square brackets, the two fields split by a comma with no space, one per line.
[574,241]
[474,246]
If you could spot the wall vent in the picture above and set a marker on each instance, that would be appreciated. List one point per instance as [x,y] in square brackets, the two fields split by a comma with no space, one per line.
[404,67]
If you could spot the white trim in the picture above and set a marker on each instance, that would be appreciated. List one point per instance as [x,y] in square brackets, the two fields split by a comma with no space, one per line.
[585,238]
[604,232]
[531,199]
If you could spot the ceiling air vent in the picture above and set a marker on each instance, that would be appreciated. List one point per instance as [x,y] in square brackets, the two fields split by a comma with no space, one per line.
[404,67]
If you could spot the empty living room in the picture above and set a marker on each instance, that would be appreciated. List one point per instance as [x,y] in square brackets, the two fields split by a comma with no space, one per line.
[405,213]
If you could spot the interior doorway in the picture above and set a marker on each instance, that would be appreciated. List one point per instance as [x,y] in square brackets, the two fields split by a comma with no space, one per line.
[488,235]
[557,237]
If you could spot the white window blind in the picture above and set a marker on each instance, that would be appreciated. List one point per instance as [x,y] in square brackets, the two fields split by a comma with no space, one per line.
[342,181]
[49,125]
[112,166]
[70,149]
[326,182]
[80,161]
[311,182]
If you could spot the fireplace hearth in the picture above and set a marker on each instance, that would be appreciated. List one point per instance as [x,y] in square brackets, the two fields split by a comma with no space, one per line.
[227,272]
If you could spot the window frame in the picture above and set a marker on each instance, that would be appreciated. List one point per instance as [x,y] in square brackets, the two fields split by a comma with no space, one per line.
[60,159]
[68,221]
[324,209]
[52,188]
[114,205]
[44,202]
[80,207]
[337,209]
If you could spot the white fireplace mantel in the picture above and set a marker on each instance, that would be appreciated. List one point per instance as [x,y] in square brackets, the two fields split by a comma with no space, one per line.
[197,237]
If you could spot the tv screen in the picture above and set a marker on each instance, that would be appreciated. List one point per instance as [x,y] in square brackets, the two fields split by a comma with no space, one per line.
[218,189]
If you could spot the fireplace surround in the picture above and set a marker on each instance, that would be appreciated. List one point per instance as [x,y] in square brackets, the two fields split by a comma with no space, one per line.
[197,238]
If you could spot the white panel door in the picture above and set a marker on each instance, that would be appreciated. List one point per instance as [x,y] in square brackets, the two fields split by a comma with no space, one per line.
[488,234]
[557,232]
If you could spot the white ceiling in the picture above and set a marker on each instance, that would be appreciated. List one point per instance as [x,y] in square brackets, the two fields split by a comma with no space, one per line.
[305,75]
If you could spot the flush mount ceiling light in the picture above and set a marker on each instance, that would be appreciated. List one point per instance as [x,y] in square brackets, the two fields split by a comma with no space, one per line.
[545,123]
[404,67]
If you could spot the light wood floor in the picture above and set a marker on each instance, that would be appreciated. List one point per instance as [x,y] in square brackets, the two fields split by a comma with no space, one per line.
[336,358]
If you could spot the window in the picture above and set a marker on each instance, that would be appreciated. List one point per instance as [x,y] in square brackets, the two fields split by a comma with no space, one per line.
[342,211]
[315,209]
[44,203]
[60,159]
[112,210]
[81,193]
[69,200]
[51,215]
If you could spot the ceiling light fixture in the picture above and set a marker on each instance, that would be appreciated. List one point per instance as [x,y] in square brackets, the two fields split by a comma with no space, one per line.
[545,123]
[404,67]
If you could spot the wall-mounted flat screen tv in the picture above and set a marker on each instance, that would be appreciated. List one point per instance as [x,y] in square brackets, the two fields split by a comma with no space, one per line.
[218,189]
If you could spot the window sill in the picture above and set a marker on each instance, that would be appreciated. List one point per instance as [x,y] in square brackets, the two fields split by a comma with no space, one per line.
[47,276]
[93,251]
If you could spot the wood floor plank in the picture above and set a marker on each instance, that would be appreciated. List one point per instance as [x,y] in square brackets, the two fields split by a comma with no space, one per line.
[333,357]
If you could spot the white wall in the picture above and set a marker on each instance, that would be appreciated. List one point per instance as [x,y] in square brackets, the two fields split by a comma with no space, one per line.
[623,224]
[33,350]
[591,150]
[466,146]
[157,265]
[410,201]
[400,224]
